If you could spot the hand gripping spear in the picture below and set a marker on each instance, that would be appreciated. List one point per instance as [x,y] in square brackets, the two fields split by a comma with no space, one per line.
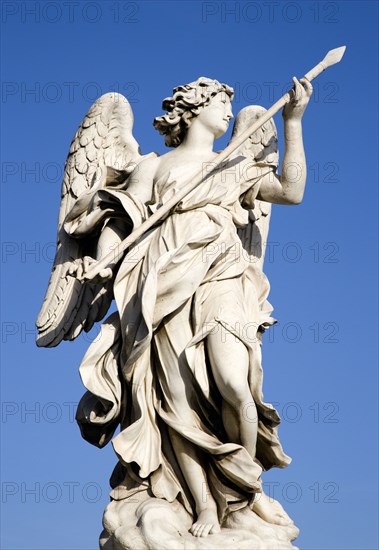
[331,58]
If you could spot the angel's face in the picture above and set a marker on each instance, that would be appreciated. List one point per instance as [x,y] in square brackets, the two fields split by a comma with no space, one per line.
[216,115]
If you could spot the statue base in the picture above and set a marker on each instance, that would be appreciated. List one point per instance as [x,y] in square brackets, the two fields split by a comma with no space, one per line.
[145,523]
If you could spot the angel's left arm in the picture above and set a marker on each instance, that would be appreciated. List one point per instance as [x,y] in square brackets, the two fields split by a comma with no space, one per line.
[288,188]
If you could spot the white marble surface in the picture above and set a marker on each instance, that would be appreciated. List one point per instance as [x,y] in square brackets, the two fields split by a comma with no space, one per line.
[179,365]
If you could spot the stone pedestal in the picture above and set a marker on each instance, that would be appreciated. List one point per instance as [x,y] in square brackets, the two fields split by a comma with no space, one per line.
[145,523]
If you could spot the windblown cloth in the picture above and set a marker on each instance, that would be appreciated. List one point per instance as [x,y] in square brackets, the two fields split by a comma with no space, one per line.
[148,371]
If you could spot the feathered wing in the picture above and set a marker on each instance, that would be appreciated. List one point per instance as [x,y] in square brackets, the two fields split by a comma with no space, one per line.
[262,149]
[104,140]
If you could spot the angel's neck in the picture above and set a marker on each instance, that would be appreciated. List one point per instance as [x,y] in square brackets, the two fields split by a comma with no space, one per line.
[198,141]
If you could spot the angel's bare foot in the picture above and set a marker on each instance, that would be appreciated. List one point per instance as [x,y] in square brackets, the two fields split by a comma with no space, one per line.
[206,523]
[270,510]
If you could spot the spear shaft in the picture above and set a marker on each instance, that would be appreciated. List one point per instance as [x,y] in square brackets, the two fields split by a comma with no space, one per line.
[331,58]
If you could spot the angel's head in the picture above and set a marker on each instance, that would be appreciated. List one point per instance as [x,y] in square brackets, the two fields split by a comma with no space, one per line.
[206,97]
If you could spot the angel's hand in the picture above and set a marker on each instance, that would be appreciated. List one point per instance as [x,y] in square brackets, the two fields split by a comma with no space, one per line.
[300,96]
[79,269]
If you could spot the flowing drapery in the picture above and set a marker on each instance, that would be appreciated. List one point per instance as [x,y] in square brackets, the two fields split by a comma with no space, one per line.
[148,370]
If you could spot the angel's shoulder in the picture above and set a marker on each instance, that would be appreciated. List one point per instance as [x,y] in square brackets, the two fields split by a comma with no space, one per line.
[140,182]
[144,172]
[148,166]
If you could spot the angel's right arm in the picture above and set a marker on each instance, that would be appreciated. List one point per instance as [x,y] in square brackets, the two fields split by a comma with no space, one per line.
[140,185]
[110,238]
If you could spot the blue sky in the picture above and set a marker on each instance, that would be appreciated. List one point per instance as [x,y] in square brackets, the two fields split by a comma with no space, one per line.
[320,361]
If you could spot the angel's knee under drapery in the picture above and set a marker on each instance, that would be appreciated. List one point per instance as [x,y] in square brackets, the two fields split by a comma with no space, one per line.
[170,386]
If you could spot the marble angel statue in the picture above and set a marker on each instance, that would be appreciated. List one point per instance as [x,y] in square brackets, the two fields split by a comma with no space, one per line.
[178,366]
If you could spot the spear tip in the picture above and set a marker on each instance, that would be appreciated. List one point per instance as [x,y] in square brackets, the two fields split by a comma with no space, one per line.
[334,56]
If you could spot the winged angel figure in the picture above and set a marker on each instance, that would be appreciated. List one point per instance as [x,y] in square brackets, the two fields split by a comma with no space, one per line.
[178,366]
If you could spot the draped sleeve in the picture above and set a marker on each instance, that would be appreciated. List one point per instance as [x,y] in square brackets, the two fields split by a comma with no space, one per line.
[92,212]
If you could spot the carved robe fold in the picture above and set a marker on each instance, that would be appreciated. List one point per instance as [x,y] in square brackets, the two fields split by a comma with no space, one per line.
[148,371]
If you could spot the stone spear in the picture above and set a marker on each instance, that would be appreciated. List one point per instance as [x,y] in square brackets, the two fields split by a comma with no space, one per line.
[331,58]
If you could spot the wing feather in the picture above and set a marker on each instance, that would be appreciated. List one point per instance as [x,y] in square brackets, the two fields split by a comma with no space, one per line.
[104,139]
[262,149]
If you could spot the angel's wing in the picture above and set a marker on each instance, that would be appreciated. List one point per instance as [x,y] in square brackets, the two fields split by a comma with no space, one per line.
[262,149]
[104,139]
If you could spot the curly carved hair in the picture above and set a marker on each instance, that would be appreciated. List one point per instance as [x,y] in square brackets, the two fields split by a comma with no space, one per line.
[185,104]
